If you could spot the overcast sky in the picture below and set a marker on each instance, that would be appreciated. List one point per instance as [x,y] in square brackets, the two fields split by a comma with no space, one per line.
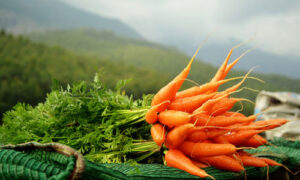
[276,23]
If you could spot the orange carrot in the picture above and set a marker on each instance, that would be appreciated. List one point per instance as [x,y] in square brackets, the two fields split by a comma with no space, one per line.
[151,115]
[260,125]
[168,92]
[252,161]
[199,164]
[206,107]
[232,88]
[200,119]
[173,118]
[189,104]
[255,141]
[220,121]
[269,124]
[238,138]
[220,73]
[225,104]
[271,162]
[158,134]
[177,135]
[230,66]
[221,140]
[193,91]
[212,133]
[204,134]
[183,75]
[233,114]
[197,90]
[223,162]
[177,159]
[206,149]
[197,136]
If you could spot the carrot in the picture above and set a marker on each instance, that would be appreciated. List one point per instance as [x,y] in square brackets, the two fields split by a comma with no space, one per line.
[206,107]
[200,119]
[239,137]
[270,124]
[168,92]
[271,162]
[255,141]
[220,121]
[183,75]
[177,159]
[223,162]
[233,114]
[216,132]
[204,134]
[222,70]
[230,66]
[232,88]
[158,134]
[218,76]
[226,121]
[197,136]
[177,135]
[173,118]
[189,104]
[225,104]
[199,164]
[252,161]
[260,125]
[206,149]
[221,140]
[151,115]
[197,90]
[193,91]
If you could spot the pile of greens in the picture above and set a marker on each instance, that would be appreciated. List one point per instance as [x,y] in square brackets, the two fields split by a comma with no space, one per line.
[104,125]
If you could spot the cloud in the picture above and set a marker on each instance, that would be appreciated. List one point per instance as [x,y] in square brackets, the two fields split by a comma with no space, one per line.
[275,22]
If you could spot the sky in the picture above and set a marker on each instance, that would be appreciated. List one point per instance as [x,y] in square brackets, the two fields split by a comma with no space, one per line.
[274,24]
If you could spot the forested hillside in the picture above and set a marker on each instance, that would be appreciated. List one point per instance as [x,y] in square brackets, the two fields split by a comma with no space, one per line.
[27,70]
[152,56]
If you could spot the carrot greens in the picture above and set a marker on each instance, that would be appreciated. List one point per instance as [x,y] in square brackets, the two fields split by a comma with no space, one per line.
[105,125]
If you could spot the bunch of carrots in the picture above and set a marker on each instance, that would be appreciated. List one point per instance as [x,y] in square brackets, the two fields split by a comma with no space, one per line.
[198,128]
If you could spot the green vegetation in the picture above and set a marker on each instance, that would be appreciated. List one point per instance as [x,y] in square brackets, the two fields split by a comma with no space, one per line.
[104,125]
[27,70]
[153,57]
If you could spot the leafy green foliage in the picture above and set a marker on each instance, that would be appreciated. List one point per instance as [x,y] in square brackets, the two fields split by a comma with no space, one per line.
[103,124]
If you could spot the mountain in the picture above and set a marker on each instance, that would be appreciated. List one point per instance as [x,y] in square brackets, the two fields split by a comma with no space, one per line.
[214,53]
[23,16]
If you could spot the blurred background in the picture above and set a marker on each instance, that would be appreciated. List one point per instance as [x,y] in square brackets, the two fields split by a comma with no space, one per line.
[47,41]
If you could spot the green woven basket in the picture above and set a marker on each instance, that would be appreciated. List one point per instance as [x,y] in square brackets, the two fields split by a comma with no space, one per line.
[55,161]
